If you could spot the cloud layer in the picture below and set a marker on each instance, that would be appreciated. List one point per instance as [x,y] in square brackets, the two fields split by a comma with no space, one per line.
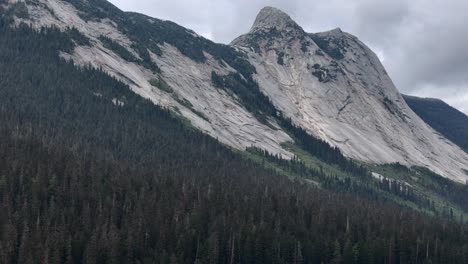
[423,44]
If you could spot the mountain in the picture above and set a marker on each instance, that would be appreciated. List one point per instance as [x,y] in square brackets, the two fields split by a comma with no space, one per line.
[93,172]
[329,84]
[144,52]
[335,87]
[447,120]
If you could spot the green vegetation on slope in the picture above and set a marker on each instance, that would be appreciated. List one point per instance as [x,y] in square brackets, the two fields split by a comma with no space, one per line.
[446,197]
[415,188]
[161,84]
[148,33]
[118,49]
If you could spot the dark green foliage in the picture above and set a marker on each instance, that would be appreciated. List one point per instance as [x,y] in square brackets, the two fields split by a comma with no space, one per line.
[361,186]
[335,48]
[321,73]
[322,150]
[78,37]
[200,114]
[148,33]
[319,53]
[189,105]
[217,80]
[249,94]
[84,181]
[184,102]
[192,46]
[326,73]
[454,192]
[118,49]
[161,84]
[427,189]
[281,58]
[125,54]
[104,210]
[254,40]
[305,46]
[94,10]
[147,61]
[447,120]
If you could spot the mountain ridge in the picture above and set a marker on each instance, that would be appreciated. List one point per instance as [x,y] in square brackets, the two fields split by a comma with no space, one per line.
[333,67]
[449,121]
[364,114]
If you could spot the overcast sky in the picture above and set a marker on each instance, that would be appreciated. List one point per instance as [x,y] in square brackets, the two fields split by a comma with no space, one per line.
[422,43]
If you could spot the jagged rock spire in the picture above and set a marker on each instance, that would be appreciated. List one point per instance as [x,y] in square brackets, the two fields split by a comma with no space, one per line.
[270,17]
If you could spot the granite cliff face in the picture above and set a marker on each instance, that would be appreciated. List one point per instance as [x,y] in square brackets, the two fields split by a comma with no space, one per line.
[329,83]
[185,64]
[335,87]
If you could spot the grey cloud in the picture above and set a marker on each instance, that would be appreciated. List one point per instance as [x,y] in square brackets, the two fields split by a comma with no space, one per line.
[372,18]
[422,43]
[429,55]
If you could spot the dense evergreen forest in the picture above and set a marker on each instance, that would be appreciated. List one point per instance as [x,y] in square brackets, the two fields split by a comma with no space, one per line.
[92,173]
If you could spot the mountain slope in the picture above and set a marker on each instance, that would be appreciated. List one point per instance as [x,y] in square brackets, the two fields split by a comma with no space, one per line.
[335,87]
[92,173]
[450,122]
[329,83]
[162,50]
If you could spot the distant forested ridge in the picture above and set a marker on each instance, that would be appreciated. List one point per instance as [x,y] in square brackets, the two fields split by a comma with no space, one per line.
[92,173]
[447,120]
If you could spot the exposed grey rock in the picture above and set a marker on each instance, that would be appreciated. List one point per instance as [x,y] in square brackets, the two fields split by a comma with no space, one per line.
[270,17]
[337,89]
[328,83]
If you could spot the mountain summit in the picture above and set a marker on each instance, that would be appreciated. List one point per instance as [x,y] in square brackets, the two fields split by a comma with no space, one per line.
[271,23]
[272,18]
[332,85]
[329,84]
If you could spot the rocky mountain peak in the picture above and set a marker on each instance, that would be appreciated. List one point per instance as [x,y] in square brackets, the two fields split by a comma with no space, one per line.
[270,24]
[272,18]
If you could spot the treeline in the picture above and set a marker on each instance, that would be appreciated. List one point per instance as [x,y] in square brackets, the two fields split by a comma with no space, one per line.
[384,189]
[149,33]
[248,92]
[454,192]
[322,150]
[83,180]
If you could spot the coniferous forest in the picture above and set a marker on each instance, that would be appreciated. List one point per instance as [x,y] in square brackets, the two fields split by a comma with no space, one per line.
[92,173]
[450,122]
